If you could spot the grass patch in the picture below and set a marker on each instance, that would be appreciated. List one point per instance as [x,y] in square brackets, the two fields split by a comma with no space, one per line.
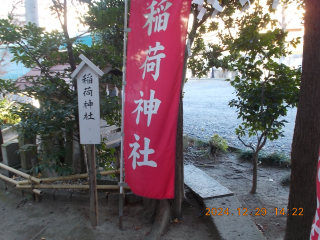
[270,159]
[202,144]
[214,144]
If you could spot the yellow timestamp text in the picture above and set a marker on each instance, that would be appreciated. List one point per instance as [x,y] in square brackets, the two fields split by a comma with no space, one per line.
[256,212]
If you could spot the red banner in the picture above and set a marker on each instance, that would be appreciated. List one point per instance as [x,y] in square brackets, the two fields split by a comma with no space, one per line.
[156,46]
[315,229]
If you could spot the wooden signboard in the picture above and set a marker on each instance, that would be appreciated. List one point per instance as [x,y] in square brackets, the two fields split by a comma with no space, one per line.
[88,101]
[87,75]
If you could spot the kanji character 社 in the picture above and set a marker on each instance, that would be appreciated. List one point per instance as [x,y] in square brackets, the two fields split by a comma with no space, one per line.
[145,152]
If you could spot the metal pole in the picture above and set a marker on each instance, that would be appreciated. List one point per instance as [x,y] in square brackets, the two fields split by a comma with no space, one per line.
[126,30]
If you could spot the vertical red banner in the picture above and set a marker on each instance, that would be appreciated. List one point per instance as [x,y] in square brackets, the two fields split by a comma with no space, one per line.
[315,229]
[156,46]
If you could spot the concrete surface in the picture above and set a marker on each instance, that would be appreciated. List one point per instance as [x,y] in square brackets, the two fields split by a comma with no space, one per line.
[233,226]
[224,213]
[202,184]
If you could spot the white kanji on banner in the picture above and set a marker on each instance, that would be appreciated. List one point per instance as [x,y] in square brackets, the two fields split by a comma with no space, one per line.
[152,63]
[315,228]
[145,152]
[156,48]
[148,107]
[158,16]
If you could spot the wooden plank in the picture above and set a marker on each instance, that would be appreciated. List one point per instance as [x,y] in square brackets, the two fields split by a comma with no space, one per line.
[92,185]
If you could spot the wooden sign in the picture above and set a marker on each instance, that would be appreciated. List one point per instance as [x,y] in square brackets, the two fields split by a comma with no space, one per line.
[88,101]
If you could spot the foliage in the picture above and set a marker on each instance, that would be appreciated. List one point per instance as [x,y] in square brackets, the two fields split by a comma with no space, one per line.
[219,143]
[6,116]
[275,159]
[201,143]
[105,157]
[266,89]
[205,56]
[13,18]
[218,53]
[269,159]
[105,19]
[57,116]
[52,162]
[244,154]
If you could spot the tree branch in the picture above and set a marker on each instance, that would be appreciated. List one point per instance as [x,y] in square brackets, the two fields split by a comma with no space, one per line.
[247,145]
[263,143]
[25,47]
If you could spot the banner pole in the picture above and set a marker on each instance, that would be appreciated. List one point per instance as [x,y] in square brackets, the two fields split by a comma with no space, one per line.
[126,30]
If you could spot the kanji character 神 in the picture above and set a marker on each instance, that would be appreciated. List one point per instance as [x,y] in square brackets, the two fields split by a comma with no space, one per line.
[149,107]
[88,104]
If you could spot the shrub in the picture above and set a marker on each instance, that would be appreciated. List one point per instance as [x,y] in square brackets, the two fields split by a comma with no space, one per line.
[6,115]
[218,143]
[271,159]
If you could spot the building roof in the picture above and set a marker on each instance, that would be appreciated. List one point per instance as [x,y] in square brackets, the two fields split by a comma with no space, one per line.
[26,79]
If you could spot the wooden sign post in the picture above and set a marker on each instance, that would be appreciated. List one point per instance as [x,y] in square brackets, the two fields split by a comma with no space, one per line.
[87,75]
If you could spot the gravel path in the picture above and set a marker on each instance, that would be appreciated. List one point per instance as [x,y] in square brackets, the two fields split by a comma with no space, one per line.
[206,112]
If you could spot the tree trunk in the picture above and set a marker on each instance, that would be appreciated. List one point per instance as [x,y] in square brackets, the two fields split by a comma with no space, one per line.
[254,172]
[306,138]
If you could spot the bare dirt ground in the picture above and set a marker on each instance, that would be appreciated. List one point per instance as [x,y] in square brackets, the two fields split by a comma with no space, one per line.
[236,175]
[23,219]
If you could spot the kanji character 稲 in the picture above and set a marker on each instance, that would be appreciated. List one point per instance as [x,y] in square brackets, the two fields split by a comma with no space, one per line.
[84,79]
[87,78]
[152,63]
[159,16]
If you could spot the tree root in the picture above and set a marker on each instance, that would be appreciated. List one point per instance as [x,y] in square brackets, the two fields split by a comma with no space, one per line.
[150,206]
[187,202]
[162,220]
